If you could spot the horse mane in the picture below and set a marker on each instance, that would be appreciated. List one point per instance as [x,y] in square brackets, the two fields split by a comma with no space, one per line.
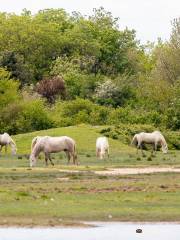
[34,141]
[162,137]
[11,140]
[163,141]
[36,147]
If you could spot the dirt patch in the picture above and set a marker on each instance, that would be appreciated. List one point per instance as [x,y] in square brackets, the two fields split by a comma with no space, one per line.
[129,171]
[41,222]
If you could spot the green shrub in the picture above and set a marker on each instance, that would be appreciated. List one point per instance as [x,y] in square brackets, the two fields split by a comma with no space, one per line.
[133,116]
[34,116]
[8,88]
[25,117]
[9,118]
[79,111]
[173,139]
[172,117]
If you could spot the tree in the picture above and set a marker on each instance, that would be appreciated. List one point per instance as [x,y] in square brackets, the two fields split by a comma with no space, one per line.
[50,88]
[8,88]
[16,66]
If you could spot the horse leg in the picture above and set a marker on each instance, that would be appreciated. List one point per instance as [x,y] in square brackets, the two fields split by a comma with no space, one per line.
[46,158]
[73,157]
[137,150]
[107,152]
[155,148]
[97,152]
[49,157]
[141,150]
[5,149]
[68,157]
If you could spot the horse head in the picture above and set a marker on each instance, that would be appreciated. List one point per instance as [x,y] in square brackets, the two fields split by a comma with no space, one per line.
[164,145]
[13,147]
[32,160]
[165,148]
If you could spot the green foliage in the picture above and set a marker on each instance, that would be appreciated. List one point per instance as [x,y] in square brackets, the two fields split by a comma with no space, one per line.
[25,117]
[172,117]
[134,116]
[34,117]
[79,111]
[8,88]
[9,117]
[173,139]
[128,82]
[79,83]
[15,65]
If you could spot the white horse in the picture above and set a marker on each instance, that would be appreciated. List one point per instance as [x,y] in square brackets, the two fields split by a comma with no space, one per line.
[102,147]
[6,140]
[155,138]
[49,145]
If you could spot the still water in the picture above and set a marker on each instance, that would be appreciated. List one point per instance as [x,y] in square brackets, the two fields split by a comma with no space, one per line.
[103,231]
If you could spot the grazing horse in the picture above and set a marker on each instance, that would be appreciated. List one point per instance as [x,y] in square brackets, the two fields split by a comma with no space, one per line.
[49,145]
[155,138]
[102,147]
[6,140]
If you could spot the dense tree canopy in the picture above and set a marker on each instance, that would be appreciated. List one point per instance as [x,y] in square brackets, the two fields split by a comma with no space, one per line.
[98,62]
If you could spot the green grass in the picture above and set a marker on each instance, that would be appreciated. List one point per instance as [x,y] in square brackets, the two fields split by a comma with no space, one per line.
[42,196]
[47,196]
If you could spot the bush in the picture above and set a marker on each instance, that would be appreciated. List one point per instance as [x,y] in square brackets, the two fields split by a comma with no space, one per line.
[172,118]
[50,88]
[25,117]
[9,118]
[8,89]
[134,116]
[173,139]
[99,115]
[79,111]
[35,117]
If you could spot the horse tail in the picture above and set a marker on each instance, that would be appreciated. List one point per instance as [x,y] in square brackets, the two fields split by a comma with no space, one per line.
[75,153]
[134,140]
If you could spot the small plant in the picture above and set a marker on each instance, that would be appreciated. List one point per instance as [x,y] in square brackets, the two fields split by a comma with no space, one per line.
[149,158]
[88,155]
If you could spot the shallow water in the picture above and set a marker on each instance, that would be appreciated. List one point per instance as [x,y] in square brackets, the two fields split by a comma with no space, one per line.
[104,231]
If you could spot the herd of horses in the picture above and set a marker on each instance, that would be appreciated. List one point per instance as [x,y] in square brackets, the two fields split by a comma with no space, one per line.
[48,145]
